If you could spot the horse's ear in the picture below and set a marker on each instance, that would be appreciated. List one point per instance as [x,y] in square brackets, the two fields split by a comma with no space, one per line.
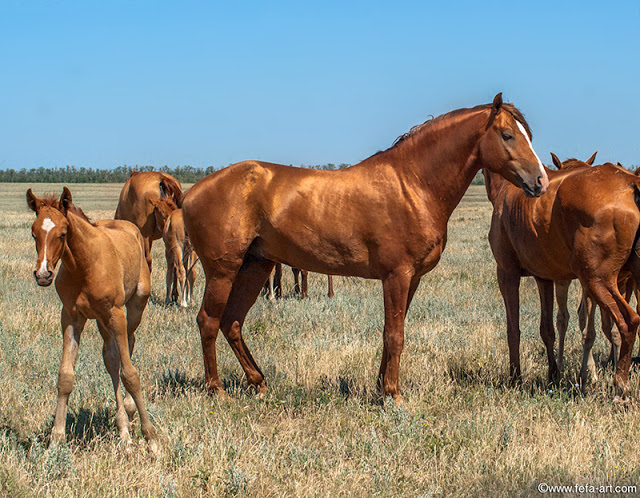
[619,164]
[33,202]
[497,103]
[557,162]
[65,201]
[591,159]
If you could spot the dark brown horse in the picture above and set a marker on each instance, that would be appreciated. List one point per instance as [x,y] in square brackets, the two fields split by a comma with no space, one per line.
[384,218]
[135,205]
[586,227]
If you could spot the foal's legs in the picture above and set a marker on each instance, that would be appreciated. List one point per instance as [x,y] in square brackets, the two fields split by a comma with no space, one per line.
[135,307]
[245,290]
[398,289]
[71,332]
[117,326]
[111,357]
[545,288]
[562,318]
[509,282]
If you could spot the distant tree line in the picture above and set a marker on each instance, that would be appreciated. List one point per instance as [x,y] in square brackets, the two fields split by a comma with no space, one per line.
[72,174]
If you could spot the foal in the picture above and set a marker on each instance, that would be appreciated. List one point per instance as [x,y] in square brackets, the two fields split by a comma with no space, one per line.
[103,271]
[181,258]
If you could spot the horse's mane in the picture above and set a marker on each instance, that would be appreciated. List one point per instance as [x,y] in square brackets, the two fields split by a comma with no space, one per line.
[170,187]
[573,163]
[510,108]
[52,201]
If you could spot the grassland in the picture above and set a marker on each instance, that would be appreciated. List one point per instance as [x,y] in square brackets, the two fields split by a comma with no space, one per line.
[319,430]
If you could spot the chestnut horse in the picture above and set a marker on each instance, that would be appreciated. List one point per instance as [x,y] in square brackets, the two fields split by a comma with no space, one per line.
[103,271]
[181,258]
[384,218]
[586,227]
[273,286]
[134,203]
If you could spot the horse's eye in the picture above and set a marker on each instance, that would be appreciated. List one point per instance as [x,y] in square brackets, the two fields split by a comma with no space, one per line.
[506,136]
[63,235]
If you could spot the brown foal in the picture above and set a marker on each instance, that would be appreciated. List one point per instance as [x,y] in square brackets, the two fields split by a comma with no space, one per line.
[181,258]
[102,272]
[384,218]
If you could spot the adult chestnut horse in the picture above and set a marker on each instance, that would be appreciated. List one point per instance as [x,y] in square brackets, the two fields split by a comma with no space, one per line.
[585,227]
[134,204]
[103,271]
[384,218]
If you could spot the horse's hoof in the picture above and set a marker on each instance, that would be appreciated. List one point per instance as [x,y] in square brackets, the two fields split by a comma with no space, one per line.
[622,402]
[154,449]
[261,390]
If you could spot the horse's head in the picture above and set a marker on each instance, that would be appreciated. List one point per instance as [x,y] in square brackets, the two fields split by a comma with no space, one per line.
[49,232]
[506,149]
[162,209]
[573,163]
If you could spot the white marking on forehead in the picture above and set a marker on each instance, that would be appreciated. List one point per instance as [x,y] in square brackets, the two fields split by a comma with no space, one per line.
[47,224]
[526,136]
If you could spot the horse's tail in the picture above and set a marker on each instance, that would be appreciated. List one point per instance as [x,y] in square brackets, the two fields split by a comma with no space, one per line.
[633,262]
[170,187]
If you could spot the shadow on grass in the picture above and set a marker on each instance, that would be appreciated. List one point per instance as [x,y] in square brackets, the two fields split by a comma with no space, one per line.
[176,383]
[82,429]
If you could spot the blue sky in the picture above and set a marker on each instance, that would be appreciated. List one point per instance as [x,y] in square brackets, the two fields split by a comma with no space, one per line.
[102,84]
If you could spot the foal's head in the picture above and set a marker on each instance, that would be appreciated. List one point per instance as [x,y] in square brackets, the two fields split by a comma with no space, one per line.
[49,232]
[506,149]
[162,209]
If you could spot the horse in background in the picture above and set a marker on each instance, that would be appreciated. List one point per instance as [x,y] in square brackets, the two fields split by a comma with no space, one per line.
[384,218]
[273,286]
[181,258]
[585,227]
[135,205]
[102,272]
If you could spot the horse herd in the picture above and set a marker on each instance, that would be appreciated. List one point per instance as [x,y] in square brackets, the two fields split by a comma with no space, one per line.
[384,218]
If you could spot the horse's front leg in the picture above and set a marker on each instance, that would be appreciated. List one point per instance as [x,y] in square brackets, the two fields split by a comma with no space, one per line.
[545,288]
[71,332]
[509,282]
[562,318]
[396,288]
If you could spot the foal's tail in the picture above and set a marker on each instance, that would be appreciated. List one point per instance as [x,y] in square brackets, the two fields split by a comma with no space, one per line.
[170,187]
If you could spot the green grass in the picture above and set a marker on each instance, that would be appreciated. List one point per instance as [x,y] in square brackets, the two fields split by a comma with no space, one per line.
[320,429]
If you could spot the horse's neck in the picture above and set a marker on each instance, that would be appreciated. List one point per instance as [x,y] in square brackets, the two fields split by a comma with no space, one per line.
[446,158]
[494,184]
[78,254]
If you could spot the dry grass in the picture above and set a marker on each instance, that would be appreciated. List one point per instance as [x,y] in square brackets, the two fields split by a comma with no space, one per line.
[319,431]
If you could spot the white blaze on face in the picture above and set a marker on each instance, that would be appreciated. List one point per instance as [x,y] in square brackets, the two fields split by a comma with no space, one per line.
[47,225]
[526,136]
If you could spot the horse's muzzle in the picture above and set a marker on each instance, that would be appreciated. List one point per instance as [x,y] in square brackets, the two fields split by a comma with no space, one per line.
[539,188]
[43,280]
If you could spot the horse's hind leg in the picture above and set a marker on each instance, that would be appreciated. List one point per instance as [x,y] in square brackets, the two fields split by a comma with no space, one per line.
[71,332]
[330,285]
[245,291]
[545,288]
[304,277]
[214,300]
[610,300]
[117,325]
[135,308]
[111,357]
[562,318]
